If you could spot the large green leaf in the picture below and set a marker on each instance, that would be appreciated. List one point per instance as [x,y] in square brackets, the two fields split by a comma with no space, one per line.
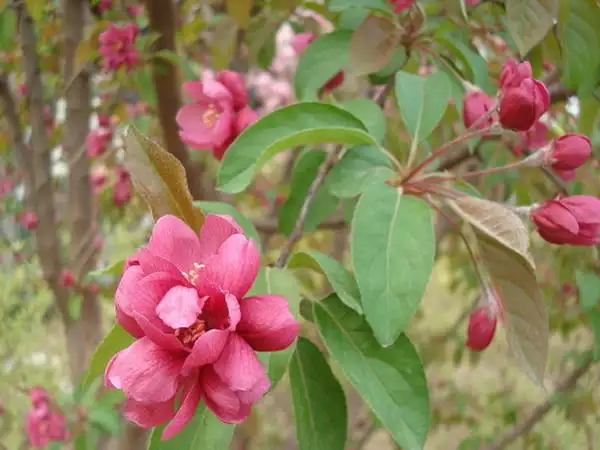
[342,281]
[370,114]
[299,124]
[271,280]
[322,59]
[340,5]
[391,380]
[117,339]
[323,204]
[580,39]
[319,401]
[504,247]
[203,432]
[359,167]
[159,178]
[227,209]
[529,21]
[422,101]
[392,243]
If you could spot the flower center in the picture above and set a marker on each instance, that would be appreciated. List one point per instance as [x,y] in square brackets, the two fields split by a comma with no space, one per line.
[118,46]
[210,116]
[187,336]
[193,274]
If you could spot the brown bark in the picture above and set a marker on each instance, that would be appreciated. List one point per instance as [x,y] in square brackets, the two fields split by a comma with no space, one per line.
[83,334]
[162,20]
[36,163]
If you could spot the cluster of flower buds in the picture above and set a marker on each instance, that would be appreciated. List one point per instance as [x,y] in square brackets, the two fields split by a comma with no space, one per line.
[122,190]
[300,43]
[218,114]
[117,46]
[44,423]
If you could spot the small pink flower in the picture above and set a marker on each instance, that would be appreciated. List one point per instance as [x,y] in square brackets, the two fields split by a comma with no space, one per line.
[207,122]
[568,152]
[117,46]
[39,397]
[183,298]
[401,5]
[476,105]
[22,89]
[234,82]
[97,141]
[122,192]
[514,73]
[134,10]
[29,220]
[67,279]
[571,220]
[533,139]
[6,185]
[104,120]
[105,5]
[481,328]
[522,106]
[43,423]
[98,178]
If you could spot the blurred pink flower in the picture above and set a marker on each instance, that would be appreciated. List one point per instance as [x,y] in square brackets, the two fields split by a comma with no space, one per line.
[243,119]
[182,297]
[117,46]
[97,141]
[29,220]
[206,123]
[44,424]
[122,192]
[105,5]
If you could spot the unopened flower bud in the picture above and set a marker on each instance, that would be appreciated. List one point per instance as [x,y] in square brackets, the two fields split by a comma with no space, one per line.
[521,107]
[401,5]
[513,74]
[481,328]
[476,105]
[67,279]
[568,152]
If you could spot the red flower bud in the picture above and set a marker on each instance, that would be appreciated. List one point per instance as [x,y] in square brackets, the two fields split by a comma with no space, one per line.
[568,152]
[565,175]
[477,104]
[481,329]
[401,5]
[29,220]
[244,119]
[513,74]
[521,107]
[334,82]
[571,220]
[234,82]
[67,279]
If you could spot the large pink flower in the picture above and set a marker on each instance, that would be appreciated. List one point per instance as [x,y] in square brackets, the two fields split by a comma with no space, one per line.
[182,297]
[206,123]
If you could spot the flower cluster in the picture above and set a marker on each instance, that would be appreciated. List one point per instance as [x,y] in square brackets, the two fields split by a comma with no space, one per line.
[218,114]
[183,298]
[44,422]
[117,46]
[98,141]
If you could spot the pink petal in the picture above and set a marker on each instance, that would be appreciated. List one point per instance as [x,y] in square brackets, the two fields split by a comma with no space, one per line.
[221,400]
[196,141]
[162,338]
[218,93]
[223,129]
[126,291]
[233,269]
[206,350]
[267,324]
[238,366]
[180,307]
[222,311]
[150,291]
[195,89]
[214,232]
[189,402]
[152,263]
[174,241]
[145,372]
[190,119]
[148,415]
[256,393]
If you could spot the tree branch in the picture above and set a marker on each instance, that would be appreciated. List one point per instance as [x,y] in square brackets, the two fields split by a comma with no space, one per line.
[38,161]
[161,17]
[540,411]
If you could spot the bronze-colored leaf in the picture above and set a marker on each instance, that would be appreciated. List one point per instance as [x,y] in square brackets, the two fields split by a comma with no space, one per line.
[240,11]
[504,248]
[372,45]
[159,178]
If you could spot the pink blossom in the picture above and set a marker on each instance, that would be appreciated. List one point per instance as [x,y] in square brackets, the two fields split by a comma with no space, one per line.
[97,141]
[206,123]
[301,41]
[105,5]
[98,178]
[234,82]
[117,46]
[6,185]
[122,192]
[67,279]
[243,119]
[104,120]
[134,10]
[29,220]
[44,423]
[183,298]
[401,5]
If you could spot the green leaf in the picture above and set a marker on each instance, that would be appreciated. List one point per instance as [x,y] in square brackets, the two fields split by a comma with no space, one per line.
[299,124]
[203,432]
[391,380]
[159,178]
[393,248]
[105,418]
[115,268]
[370,114]
[240,11]
[372,45]
[580,38]
[588,284]
[342,281]
[359,168]
[271,280]
[422,101]
[321,60]
[8,28]
[227,209]
[117,339]
[323,204]
[529,21]
[379,5]
[319,401]
[504,247]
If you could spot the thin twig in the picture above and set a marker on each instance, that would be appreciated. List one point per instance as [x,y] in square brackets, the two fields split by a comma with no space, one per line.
[540,411]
